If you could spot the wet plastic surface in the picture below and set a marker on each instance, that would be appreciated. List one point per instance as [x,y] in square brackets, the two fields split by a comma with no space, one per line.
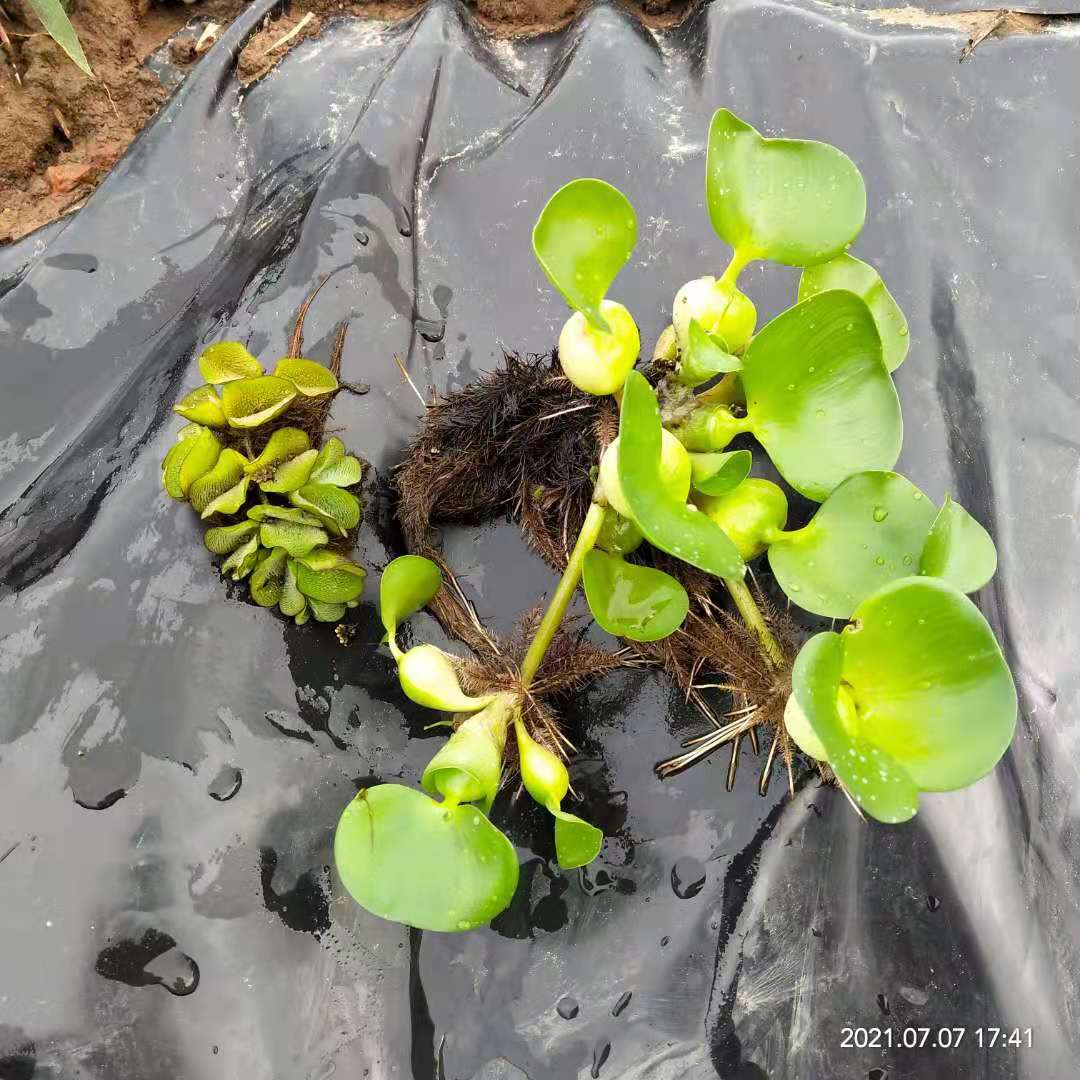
[173,760]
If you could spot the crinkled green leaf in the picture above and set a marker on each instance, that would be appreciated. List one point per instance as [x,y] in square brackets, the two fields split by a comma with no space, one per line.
[188,431]
[291,475]
[204,450]
[310,378]
[243,560]
[668,524]
[338,510]
[333,466]
[959,550]
[405,857]
[226,361]
[227,472]
[577,842]
[228,502]
[705,356]
[225,539]
[171,465]
[718,473]
[408,583]
[868,532]
[247,403]
[269,512]
[818,395]
[582,239]
[202,406]
[788,200]
[58,26]
[847,272]
[268,578]
[304,616]
[631,601]
[324,612]
[333,586]
[293,537]
[283,444]
[292,601]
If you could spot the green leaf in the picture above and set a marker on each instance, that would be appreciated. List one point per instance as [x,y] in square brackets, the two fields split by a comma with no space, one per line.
[339,511]
[631,601]
[293,537]
[243,560]
[750,514]
[204,450]
[788,200]
[468,768]
[188,431]
[291,602]
[325,612]
[428,677]
[542,772]
[310,378]
[269,512]
[247,403]
[202,406]
[878,783]
[582,239]
[228,502]
[719,473]
[930,683]
[618,535]
[818,396]
[268,579]
[225,539]
[705,357]
[334,585]
[228,471]
[868,532]
[333,467]
[170,467]
[226,361]
[847,272]
[668,524]
[291,475]
[408,584]
[283,444]
[58,26]
[405,857]
[959,550]
[577,842]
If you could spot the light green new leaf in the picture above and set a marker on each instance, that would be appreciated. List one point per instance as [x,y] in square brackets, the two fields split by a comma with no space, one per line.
[202,406]
[577,842]
[618,535]
[818,396]
[58,26]
[338,510]
[930,683]
[636,602]
[847,272]
[292,601]
[335,585]
[175,458]
[291,475]
[408,584]
[228,471]
[668,524]
[225,539]
[333,467]
[582,239]
[268,578]
[403,856]
[428,677]
[868,532]
[269,512]
[789,200]
[226,361]
[283,444]
[243,560]
[704,357]
[718,473]
[204,450]
[959,550]
[228,502]
[291,536]
[250,402]
[468,768]
[310,378]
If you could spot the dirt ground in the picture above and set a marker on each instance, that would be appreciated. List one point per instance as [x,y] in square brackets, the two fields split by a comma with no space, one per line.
[62,131]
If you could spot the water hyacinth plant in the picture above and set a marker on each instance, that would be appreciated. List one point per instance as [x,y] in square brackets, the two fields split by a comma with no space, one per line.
[912,695]
[279,507]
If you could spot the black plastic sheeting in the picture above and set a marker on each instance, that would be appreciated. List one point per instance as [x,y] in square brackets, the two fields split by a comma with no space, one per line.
[173,760]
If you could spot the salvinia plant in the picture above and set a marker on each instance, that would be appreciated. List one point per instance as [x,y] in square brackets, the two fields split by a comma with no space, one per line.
[911,695]
[280,509]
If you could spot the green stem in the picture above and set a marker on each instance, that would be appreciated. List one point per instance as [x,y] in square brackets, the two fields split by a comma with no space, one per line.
[564,591]
[739,259]
[755,621]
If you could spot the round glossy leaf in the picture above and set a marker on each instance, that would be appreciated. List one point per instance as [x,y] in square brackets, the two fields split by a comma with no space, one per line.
[577,842]
[292,601]
[226,361]
[930,683]
[269,512]
[789,200]
[959,550]
[228,471]
[250,402]
[202,406]
[818,396]
[292,537]
[403,856]
[337,585]
[847,272]
[705,356]
[310,378]
[332,466]
[718,473]
[636,602]
[668,524]
[868,532]
[428,677]
[468,768]
[879,784]
[268,578]
[324,612]
[338,510]
[202,456]
[283,444]
[291,475]
[225,539]
[408,583]
[582,239]
[243,560]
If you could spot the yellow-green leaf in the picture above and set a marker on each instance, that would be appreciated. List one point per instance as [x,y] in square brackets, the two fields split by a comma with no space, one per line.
[326,612]
[200,459]
[247,403]
[285,443]
[58,26]
[295,538]
[202,406]
[228,502]
[292,601]
[226,361]
[338,510]
[333,467]
[225,539]
[268,580]
[228,471]
[242,561]
[332,586]
[291,475]
[310,378]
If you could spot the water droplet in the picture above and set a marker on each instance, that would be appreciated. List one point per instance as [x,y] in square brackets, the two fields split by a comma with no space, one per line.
[687,878]
[878,1074]
[567,1008]
[903,331]
[916,495]
[362,239]
[620,1005]
[600,1054]
[907,560]
[932,902]
[819,413]
[811,369]
[153,960]
[791,386]
[664,940]
[226,784]
[433,330]
[462,924]
[795,588]
[879,561]
[883,1004]
[880,513]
